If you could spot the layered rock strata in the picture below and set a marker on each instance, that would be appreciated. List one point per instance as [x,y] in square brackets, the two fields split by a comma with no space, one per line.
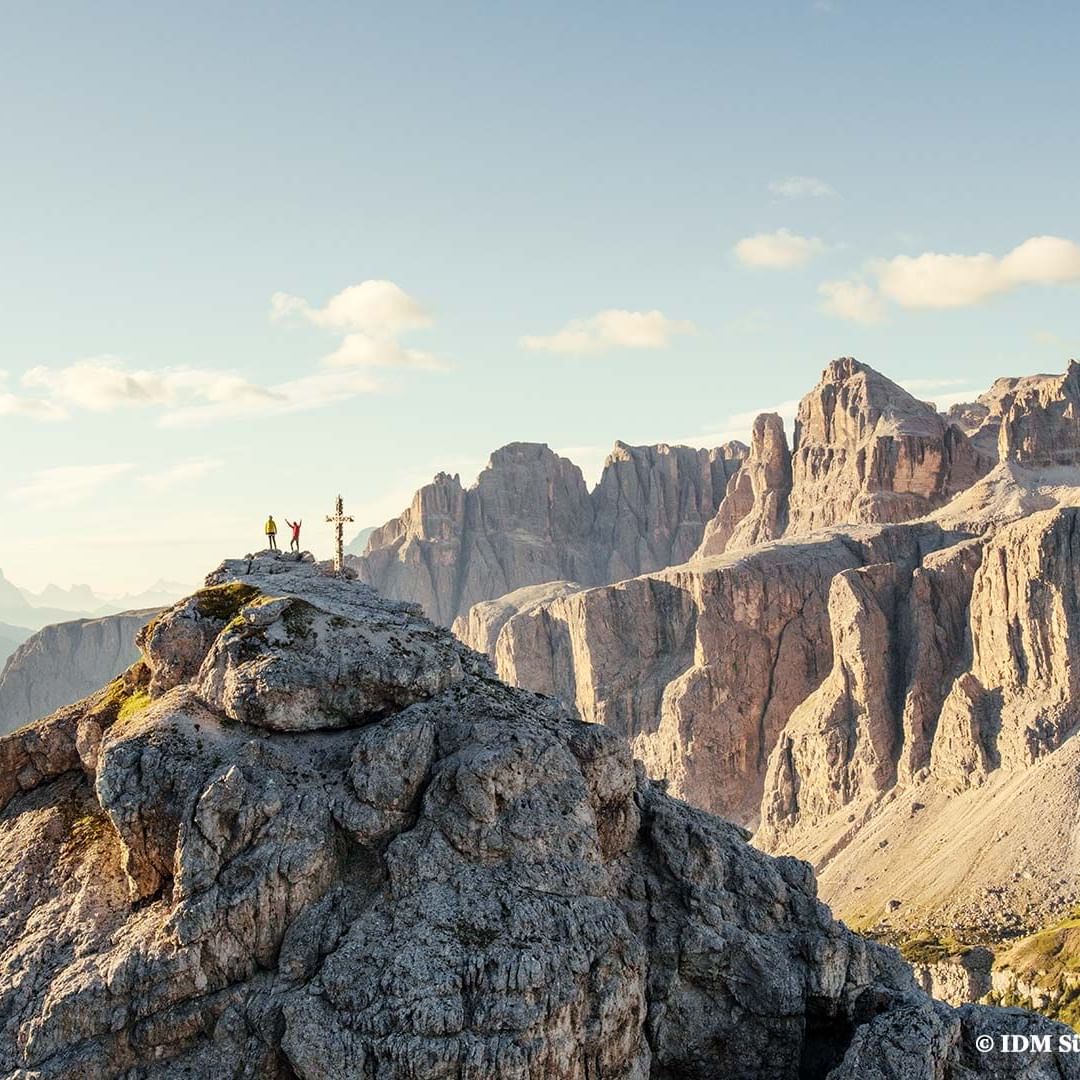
[530,519]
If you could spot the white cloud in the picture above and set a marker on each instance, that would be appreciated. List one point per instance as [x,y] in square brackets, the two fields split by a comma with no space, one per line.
[852,300]
[609,329]
[296,395]
[66,485]
[933,280]
[34,408]
[103,384]
[375,306]
[780,250]
[181,473]
[361,350]
[801,187]
[942,281]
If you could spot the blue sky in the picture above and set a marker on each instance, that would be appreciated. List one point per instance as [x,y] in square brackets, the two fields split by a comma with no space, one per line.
[747,190]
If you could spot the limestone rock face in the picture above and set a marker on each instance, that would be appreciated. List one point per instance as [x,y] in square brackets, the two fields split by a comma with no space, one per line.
[464,882]
[1040,418]
[866,450]
[652,505]
[65,662]
[480,629]
[701,666]
[530,520]
[755,506]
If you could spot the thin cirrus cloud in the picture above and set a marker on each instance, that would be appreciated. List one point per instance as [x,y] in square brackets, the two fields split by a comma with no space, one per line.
[779,250]
[66,485]
[801,187]
[612,328]
[103,384]
[69,485]
[183,472]
[943,281]
[296,395]
[187,397]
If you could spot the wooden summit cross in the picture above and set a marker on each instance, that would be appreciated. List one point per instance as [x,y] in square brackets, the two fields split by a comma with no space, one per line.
[338,519]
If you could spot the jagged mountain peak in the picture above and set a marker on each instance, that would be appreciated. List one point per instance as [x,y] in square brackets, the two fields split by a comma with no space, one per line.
[530,519]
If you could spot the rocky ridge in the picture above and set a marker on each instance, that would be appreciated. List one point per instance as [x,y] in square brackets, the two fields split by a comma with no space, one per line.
[864,450]
[530,519]
[310,835]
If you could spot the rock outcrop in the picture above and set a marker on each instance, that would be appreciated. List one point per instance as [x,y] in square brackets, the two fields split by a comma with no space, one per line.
[530,519]
[65,662]
[755,506]
[864,450]
[309,835]
[1033,420]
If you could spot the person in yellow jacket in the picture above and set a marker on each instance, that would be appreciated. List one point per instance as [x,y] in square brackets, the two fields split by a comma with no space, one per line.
[271,533]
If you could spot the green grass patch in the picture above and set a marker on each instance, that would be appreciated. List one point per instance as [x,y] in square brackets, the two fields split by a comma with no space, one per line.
[1043,957]
[932,949]
[223,602]
[132,705]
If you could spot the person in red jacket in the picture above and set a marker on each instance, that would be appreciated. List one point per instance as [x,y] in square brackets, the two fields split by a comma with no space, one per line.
[294,543]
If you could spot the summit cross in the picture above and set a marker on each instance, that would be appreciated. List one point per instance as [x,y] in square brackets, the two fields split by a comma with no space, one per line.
[338,519]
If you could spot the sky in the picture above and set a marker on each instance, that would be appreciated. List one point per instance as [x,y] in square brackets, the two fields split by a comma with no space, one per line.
[254,255]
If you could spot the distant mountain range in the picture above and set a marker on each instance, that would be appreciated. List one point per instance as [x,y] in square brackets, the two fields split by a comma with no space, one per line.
[25,611]
[359,542]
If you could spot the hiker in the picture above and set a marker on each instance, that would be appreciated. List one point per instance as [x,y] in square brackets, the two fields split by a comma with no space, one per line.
[271,532]
[294,543]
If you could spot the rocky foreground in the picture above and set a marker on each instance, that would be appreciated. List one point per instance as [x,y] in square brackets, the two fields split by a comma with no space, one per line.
[311,835]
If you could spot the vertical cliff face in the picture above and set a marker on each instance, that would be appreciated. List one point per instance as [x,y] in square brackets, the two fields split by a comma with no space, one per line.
[963,668]
[653,502]
[700,666]
[530,519]
[1032,420]
[809,679]
[64,662]
[755,506]
[1040,419]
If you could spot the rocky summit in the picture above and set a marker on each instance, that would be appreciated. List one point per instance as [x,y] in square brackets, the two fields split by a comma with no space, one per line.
[310,835]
